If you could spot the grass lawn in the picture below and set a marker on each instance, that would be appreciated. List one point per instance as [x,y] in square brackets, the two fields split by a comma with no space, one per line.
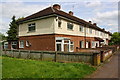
[21,68]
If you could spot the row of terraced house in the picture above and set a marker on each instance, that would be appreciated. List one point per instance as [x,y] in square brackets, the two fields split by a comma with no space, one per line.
[52,29]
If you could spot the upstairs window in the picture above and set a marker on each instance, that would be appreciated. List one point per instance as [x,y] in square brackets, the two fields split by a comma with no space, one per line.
[95,32]
[98,33]
[31,27]
[101,33]
[90,30]
[70,26]
[59,23]
[86,30]
[81,28]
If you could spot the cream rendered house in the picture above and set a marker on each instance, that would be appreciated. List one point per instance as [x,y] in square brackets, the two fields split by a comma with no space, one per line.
[55,30]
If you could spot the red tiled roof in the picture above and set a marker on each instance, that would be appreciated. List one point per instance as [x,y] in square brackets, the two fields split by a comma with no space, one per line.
[51,10]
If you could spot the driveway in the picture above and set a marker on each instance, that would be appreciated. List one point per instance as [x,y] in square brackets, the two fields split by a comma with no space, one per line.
[109,69]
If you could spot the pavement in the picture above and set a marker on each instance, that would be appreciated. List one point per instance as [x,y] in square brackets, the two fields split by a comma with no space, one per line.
[109,69]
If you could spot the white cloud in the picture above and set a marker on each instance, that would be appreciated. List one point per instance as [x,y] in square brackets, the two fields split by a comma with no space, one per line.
[93,4]
[108,19]
[58,0]
[18,9]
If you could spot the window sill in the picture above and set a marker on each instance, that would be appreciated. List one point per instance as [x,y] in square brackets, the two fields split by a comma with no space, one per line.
[59,28]
[81,31]
[30,31]
[70,29]
[21,47]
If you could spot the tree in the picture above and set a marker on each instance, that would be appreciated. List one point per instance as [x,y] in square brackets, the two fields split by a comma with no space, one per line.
[115,39]
[12,32]
[2,37]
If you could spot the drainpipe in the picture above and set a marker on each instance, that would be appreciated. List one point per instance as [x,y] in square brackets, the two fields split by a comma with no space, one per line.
[54,25]
[85,36]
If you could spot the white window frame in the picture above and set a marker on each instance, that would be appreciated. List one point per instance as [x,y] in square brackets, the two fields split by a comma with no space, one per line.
[31,25]
[20,44]
[95,32]
[68,23]
[27,43]
[62,44]
[71,44]
[81,28]
[86,30]
[90,30]
[93,44]
[5,45]
[59,21]
[13,43]
[82,44]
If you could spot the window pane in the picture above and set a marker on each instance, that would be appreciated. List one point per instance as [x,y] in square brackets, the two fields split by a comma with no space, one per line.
[31,27]
[71,47]
[70,26]
[59,23]
[81,28]
[66,41]
[58,47]
[27,43]
[21,44]
[58,40]
[90,30]
[81,44]
[66,47]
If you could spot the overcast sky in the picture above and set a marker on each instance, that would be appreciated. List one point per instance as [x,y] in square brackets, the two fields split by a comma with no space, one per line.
[105,14]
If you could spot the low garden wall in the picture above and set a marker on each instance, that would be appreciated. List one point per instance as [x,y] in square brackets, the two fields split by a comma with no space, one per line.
[105,52]
[92,58]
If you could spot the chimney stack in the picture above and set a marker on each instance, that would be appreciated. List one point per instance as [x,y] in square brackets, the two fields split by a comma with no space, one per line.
[71,13]
[94,24]
[56,6]
[90,22]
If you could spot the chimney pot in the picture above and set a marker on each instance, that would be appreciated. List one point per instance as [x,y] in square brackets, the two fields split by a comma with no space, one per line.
[95,24]
[90,21]
[71,13]
[56,6]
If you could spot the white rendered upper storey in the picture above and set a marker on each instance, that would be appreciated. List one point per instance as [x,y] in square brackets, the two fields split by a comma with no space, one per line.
[59,24]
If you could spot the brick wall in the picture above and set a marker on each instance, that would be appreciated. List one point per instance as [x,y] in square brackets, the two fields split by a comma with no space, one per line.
[41,42]
[47,42]
[77,39]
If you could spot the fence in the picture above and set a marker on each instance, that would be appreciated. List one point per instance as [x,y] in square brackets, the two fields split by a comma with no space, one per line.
[92,58]
[105,52]
[106,55]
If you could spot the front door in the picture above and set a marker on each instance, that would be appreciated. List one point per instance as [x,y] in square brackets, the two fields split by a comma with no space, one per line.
[59,47]
[66,47]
